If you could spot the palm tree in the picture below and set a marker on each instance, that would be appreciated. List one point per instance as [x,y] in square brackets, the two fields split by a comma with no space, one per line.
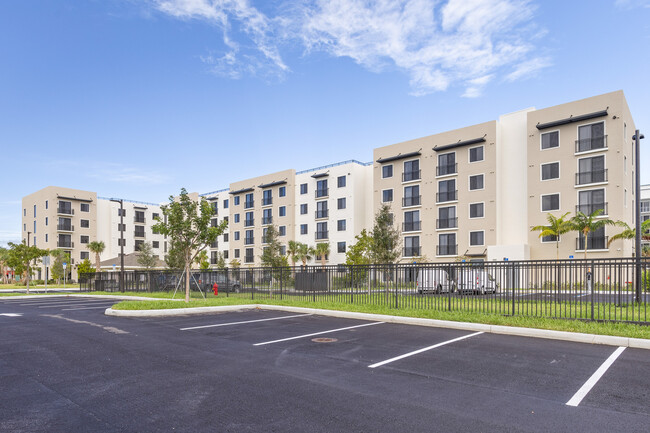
[304,253]
[97,247]
[630,233]
[322,250]
[556,227]
[292,252]
[586,224]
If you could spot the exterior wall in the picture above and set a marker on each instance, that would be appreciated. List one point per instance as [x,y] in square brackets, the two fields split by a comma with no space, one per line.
[645,207]
[618,186]
[220,201]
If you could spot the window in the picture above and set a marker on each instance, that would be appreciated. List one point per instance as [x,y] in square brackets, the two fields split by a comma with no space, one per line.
[340,181]
[47,236]
[85,224]
[591,170]
[387,195]
[155,244]
[34,211]
[248,237]
[225,254]
[46,204]
[303,209]
[267,197]
[476,210]
[283,250]
[237,236]
[341,203]
[249,201]
[321,188]
[84,255]
[24,227]
[46,221]
[282,191]
[236,200]
[446,164]
[340,247]
[596,241]
[591,201]
[155,216]
[303,188]
[447,218]
[236,218]
[214,222]
[225,237]
[411,246]
[34,226]
[476,238]
[139,231]
[249,257]
[282,230]
[139,216]
[476,182]
[446,191]
[321,230]
[411,221]
[550,171]
[303,229]
[476,154]
[447,244]
[236,253]
[225,204]
[411,196]
[267,216]
[387,171]
[265,232]
[321,209]
[85,207]
[282,211]
[591,137]
[341,225]
[549,238]
[411,170]
[550,140]
[24,212]
[84,239]
[249,220]
[550,202]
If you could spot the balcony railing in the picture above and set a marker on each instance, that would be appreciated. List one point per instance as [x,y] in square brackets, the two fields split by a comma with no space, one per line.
[249,240]
[446,223]
[323,192]
[411,252]
[593,243]
[249,223]
[214,244]
[588,209]
[443,170]
[411,201]
[138,234]
[412,226]
[65,211]
[267,220]
[267,201]
[139,220]
[442,197]
[322,234]
[322,213]
[586,177]
[408,176]
[65,227]
[64,244]
[447,250]
[249,204]
[593,143]
[249,259]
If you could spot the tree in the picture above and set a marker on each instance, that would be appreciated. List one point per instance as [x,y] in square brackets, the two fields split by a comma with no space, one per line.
[174,258]
[556,227]
[20,258]
[56,270]
[146,258]
[4,256]
[322,249]
[361,252]
[630,233]
[235,264]
[96,247]
[84,267]
[271,254]
[188,225]
[305,252]
[221,261]
[385,237]
[201,259]
[292,252]
[586,224]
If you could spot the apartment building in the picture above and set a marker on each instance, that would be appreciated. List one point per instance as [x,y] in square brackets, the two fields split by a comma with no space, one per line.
[645,207]
[220,202]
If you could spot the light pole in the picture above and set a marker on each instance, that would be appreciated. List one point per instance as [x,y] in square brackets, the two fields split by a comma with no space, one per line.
[637,211]
[121,202]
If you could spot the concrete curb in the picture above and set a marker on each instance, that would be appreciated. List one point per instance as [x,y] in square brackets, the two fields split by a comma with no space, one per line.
[576,337]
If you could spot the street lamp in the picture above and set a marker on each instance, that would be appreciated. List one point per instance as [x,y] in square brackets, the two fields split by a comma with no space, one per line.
[637,211]
[121,202]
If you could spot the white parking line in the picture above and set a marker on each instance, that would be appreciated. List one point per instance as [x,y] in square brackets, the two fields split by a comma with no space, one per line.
[317,333]
[60,301]
[86,308]
[584,390]
[415,352]
[74,304]
[240,323]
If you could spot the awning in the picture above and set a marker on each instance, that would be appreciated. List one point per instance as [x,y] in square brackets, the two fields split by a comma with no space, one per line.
[459,144]
[572,119]
[398,157]
[86,200]
[269,185]
[240,191]
[319,175]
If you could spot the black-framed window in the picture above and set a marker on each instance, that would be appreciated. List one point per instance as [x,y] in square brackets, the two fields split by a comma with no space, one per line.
[476,210]
[550,140]
[321,188]
[303,188]
[282,230]
[592,200]
[155,244]
[591,137]
[387,195]
[321,209]
[85,207]
[477,238]
[411,195]
[84,223]
[550,202]
[282,191]
[225,204]
[236,218]
[341,203]
[236,200]
[551,171]
[549,238]
[341,225]
[225,237]
[236,253]
[303,209]
[476,182]
[282,211]
[387,171]
[303,229]
[340,181]
[84,239]
[340,247]
[237,236]
[446,164]
[476,154]
[84,255]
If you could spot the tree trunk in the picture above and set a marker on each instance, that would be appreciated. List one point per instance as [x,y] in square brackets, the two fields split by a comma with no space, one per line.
[586,243]
[27,279]
[557,248]
[187,277]
[97,262]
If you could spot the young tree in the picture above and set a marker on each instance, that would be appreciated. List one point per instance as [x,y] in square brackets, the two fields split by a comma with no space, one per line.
[385,237]
[305,253]
[20,258]
[4,256]
[556,227]
[235,264]
[56,270]
[221,261]
[84,267]
[322,249]
[188,225]
[146,258]
[202,260]
[174,258]
[96,247]
[586,224]
[361,252]
[271,253]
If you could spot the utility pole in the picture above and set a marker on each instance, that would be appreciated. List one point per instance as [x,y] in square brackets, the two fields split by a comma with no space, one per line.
[121,202]
[637,212]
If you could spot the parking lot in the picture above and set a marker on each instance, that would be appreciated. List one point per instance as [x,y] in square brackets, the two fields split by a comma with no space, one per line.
[67,367]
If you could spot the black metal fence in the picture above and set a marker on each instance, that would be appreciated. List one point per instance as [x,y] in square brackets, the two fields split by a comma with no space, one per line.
[602,290]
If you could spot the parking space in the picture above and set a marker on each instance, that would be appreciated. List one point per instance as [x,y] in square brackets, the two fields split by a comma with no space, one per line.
[56,303]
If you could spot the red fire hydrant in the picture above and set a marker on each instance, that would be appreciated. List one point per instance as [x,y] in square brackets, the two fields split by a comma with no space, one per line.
[215,289]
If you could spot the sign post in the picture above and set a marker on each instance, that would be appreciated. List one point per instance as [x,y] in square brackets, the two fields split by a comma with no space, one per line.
[65,274]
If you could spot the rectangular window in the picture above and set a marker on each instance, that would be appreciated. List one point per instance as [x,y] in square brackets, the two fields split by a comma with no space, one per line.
[591,137]
[84,239]
[476,182]
[411,246]
[476,210]
[303,188]
[447,244]
[411,221]
[139,217]
[340,181]
[476,238]
[446,191]
[139,231]
[248,237]
[249,257]
[236,199]
[225,254]
[550,171]
[303,209]
[155,216]
[46,220]
[85,224]
[591,201]
[550,140]
[446,164]
[236,253]
[387,195]
[85,207]
[46,204]
[476,154]
[387,171]
[155,244]
[225,237]
[591,170]
[340,247]
[267,216]
[341,225]
[321,231]
[550,202]
[596,240]
[549,238]
[411,196]
[138,244]
[447,218]
[34,211]
[282,191]
[236,218]
[321,188]
[34,226]
[411,170]
[282,230]
[84,255]
[249,203]
[237,236]
[341,203]
[283,250]
[46,237]
[321,209]
[303,229]
[282,211]
[267,197]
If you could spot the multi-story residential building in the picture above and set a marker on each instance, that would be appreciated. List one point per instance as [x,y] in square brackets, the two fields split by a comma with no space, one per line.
[220,202]
[645,207]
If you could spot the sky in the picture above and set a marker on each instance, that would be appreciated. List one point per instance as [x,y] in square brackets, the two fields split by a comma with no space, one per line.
[139,98]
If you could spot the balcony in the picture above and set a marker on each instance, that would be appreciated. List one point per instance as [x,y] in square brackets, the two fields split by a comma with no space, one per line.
[249,204]
[64,244]
[267,201]
[447,223]
[323,192]
[65,227]
[408,176]
[442,197]
[447,250]
[593,143]
[412,226]
[322,234]
[249,223]
[322,213]
[411,252]
[250,240]
[588,209]
[444,170]
[267,220]
[593,243]
[249,259]
[65,211]
[138,234]
[588,177]
[139,219]
[214,244]
[411,201]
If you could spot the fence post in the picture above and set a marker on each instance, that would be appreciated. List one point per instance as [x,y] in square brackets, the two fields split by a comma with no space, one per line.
[513,286]
[396,287]
[451,288]
[590,287]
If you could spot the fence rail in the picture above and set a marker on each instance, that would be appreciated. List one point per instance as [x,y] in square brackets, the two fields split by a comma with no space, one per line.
[600,290]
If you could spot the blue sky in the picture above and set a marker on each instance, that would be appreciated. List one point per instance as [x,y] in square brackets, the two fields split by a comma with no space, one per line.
[137,99]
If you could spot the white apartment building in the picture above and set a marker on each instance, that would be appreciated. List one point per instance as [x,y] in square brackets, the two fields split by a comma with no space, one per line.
[220,202]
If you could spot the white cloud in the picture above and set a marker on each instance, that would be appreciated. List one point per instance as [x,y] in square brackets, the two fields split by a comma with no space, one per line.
[528,68]
[632,4]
